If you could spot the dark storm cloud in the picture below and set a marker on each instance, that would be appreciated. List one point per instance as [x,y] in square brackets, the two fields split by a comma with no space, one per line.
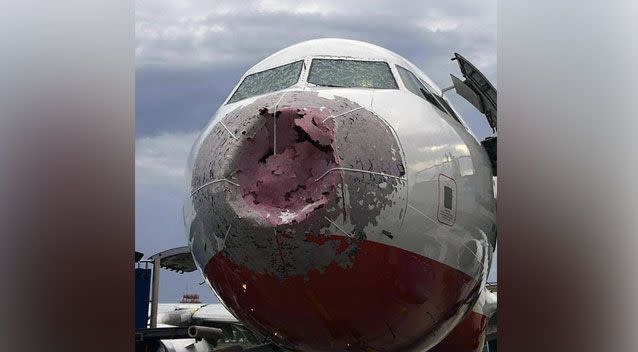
[183,99]
[188,62]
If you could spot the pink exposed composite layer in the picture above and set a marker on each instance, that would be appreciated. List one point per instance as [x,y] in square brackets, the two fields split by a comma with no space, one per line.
[281,167]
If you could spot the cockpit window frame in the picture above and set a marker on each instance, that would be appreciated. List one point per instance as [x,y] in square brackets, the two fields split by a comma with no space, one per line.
[438,101]
[229,100]
[449,109]
[334,58]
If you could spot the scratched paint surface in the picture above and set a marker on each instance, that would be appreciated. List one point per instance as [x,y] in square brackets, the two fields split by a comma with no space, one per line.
[282,192]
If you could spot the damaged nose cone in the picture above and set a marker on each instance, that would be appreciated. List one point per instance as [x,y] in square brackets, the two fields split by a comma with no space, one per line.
[299,163]
[293,193]
[285,163]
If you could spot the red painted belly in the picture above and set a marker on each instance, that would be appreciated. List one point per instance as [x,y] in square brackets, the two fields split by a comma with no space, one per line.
[468,336]
[389,299]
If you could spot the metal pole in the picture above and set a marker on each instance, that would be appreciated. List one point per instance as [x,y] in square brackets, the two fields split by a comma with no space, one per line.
[155,292]
[446,89]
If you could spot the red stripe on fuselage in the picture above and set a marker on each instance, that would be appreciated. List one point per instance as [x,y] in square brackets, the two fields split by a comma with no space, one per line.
[389,299]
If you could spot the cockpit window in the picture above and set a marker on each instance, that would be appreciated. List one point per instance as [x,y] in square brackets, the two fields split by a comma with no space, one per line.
[414,85]
[351,74]
[271,80]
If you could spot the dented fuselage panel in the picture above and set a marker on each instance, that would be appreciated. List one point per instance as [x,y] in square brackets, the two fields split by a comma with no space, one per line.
[295,184]
[329,200]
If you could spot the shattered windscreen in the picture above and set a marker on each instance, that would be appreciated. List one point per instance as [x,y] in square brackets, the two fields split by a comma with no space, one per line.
[351,74]
[271,80]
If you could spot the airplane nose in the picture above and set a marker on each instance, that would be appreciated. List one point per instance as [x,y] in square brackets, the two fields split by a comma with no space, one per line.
[292,196]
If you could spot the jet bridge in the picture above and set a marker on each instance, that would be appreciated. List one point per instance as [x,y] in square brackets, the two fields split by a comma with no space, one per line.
[189,327]
[175,259]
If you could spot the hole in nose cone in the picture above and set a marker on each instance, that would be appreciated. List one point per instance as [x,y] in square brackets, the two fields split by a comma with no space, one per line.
[281,164]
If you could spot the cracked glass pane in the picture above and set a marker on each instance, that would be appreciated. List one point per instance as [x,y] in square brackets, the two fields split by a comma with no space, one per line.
[271,80]
[351,73]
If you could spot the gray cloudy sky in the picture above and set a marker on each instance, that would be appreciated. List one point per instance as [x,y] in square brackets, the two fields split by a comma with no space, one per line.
[190,54]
